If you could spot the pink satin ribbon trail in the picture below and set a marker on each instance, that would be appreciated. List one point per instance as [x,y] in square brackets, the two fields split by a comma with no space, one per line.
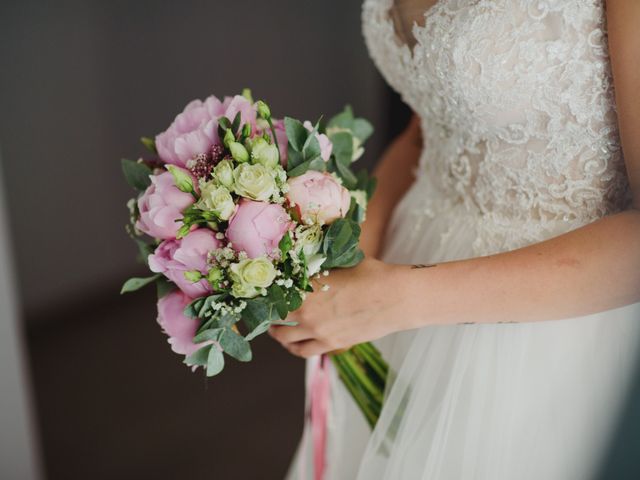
[320,393]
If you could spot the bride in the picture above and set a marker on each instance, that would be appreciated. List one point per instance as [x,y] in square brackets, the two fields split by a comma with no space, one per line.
[506,292]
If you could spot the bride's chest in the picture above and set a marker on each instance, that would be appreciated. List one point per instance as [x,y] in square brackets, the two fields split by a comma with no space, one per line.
[489,64]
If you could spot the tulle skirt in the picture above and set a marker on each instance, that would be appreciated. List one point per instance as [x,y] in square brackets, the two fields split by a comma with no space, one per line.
[524,401]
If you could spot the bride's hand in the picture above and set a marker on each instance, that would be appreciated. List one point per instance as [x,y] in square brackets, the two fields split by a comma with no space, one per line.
[357,307]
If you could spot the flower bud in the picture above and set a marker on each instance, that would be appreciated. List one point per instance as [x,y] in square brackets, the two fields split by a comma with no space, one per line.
[246,93]
[181,178]
[214,276]
[229,138]
[263,110]
[192,275]
[246,130]
[238,152]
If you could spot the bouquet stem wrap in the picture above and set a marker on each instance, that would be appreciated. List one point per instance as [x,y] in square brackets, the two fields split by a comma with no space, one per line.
[364,373]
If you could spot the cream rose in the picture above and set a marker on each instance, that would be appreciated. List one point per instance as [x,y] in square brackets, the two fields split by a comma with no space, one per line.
[250,276]
[254,181]
[223,173]
[217,199]
[264,153]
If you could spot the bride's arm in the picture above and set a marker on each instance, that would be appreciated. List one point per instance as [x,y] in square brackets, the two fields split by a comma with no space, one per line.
[591,269]
[394,174]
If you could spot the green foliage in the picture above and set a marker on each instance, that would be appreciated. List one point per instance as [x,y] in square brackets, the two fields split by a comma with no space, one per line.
[136,283]
[285,245]
[360,127]
[235,345]
[164,286]
[136,174]
[340,244]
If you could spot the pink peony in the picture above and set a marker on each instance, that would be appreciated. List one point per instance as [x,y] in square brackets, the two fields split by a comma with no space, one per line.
[195,130]
[257,227]
[281,135]
[161,207]
[325,144]
[318,197]
[175,257]
[180,328]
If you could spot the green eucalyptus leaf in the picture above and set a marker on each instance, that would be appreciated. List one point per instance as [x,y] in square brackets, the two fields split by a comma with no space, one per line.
[285,245]
[136,283]
[213,334]
[340,244]
[194,307]
[311,148]
[258,329]
[276,295]
[136,174]
[294,299]
[318,164]
[258,310]
[342,147]
[296,133]
[235,345]
[294,158]
[362,129]
[284,323]
[348,178]
[300,169]
[164,287]
[215,361]
[343,119]
[199,357]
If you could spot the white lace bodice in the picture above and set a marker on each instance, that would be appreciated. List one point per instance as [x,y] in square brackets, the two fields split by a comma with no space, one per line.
[518,113]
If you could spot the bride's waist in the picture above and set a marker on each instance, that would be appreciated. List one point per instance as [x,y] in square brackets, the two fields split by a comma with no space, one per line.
[501,227]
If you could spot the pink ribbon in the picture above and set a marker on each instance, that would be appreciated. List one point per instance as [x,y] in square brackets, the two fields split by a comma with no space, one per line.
[320,392]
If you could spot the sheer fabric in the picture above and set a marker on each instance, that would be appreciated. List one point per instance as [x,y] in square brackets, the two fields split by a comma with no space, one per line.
[521,144]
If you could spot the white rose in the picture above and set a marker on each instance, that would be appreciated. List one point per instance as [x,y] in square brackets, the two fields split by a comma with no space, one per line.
[216,199]
[254,182]
[251,275]
[223,173]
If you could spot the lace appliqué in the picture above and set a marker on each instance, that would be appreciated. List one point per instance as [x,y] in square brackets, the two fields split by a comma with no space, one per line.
[518,112]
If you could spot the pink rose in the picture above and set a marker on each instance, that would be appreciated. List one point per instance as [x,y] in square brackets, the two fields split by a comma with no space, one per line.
[175,257]
[180,328]
[325,144]
[257,227]
[318,196]
[161,207]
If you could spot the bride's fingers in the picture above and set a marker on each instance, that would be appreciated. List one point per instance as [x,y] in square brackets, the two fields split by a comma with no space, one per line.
[307,348]
[286,334]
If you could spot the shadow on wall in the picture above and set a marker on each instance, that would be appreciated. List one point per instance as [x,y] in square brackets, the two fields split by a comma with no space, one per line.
[87,78]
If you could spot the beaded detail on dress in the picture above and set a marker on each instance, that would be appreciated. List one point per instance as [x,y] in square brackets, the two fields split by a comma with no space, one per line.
[518,119]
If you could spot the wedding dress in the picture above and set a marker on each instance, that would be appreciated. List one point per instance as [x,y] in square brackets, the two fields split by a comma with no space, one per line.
[520,145]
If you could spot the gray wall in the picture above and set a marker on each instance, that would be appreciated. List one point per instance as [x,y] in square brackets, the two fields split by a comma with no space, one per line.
[82,80]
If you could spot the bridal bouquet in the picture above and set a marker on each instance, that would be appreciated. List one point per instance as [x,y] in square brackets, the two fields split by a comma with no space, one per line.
[236,213]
